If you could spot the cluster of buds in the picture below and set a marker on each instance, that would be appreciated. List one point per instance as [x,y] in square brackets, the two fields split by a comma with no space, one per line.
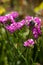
[34,23]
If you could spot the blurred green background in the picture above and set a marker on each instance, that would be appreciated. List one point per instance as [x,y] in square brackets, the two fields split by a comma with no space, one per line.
[12,51]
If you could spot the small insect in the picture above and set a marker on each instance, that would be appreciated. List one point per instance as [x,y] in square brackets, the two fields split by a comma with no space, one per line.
[32,23]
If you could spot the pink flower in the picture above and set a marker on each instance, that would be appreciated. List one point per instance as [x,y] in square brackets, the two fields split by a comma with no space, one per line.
[15,14]
[34,24]
[29,42]
[3,19]
[12,27]
[37,21]
[28,19]
[20,24]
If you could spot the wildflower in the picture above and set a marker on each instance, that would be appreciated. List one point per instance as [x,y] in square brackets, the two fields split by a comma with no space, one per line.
[12,19]
[3,19]
[20,24]
[12,27]
[29,43]
[15,26]
[13,14]
[37,27]
[34,24]
[28,19]
[37,21]
[36,32]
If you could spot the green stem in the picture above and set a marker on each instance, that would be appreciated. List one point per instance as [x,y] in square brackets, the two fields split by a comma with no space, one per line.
[30,55]
[17,50]
[3,57]
[23,57]
[36,55]
[7,37]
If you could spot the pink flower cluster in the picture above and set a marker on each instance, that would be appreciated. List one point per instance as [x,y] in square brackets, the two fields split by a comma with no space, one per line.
[4,19]
[29,43]
[34,23]
[15,26]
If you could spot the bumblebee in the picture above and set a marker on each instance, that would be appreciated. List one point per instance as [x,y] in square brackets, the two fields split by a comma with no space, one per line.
[32,23]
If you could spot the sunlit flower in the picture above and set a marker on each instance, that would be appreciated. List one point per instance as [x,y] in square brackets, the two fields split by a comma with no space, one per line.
[29,43]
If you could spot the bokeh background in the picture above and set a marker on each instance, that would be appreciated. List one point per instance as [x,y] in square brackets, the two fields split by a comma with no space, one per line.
[24,7]
[9,54]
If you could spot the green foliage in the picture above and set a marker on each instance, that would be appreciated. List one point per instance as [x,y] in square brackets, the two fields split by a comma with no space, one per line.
[12,51]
